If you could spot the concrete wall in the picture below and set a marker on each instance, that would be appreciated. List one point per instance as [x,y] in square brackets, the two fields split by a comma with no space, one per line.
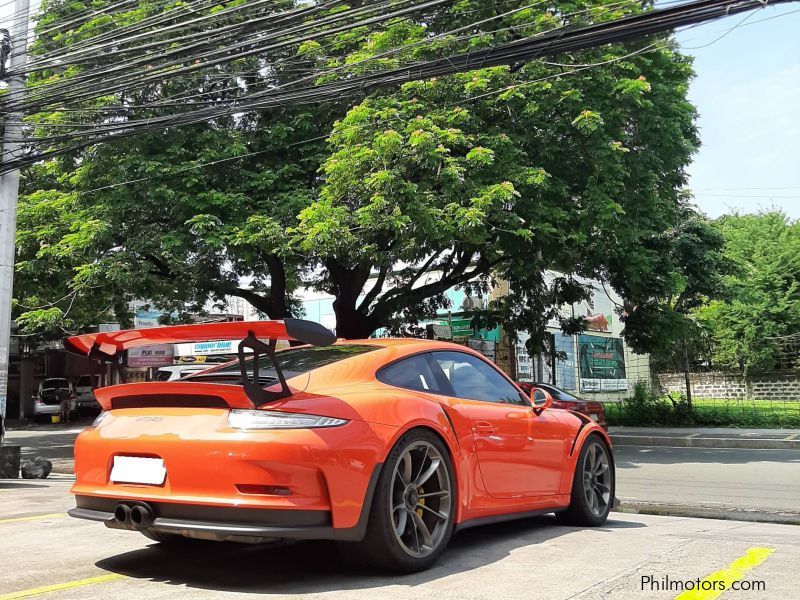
[779,386]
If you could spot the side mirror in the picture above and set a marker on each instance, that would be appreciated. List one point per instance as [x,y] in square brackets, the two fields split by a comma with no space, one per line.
[541,399]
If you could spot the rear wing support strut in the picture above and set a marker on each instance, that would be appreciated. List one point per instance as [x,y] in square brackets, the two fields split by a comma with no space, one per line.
[257,394]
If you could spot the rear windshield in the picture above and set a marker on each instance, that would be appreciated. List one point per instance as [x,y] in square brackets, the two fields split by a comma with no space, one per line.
[292,361]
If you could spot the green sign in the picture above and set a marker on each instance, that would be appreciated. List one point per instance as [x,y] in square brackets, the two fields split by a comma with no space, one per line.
[461,327]
[601,361]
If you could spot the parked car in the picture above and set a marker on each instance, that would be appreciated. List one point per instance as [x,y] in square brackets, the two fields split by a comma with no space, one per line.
[84,391]
[175,372]
[562,399]
[385,445]
[51,393]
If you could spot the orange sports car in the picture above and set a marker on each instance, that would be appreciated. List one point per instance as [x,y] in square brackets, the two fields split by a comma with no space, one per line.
[387,445]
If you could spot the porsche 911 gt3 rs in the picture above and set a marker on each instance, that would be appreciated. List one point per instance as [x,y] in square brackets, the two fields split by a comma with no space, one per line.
[387,445]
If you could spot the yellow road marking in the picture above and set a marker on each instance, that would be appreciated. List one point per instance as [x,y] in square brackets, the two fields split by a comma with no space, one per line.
[33,518]
[57,587]
[725,577]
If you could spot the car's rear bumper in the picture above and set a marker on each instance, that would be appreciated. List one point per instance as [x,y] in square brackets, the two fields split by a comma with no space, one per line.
[211,466]
[220,523]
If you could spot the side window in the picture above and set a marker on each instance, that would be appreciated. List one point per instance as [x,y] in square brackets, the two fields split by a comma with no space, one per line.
[474,379]
[412,373]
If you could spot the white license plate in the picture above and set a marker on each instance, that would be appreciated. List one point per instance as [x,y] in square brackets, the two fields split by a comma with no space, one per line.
[593,416]
[136,469]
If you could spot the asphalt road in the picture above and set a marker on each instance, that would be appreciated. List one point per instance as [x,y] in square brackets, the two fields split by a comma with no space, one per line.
[762,484]
[44,553]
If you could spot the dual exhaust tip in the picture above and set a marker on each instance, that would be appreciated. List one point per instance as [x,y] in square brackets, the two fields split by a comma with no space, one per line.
[138,516]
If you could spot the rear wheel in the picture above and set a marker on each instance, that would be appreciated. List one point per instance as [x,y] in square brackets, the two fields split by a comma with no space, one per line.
[592,485]
[413,510]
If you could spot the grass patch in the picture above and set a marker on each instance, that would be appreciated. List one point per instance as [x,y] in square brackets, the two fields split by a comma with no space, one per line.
[647,410]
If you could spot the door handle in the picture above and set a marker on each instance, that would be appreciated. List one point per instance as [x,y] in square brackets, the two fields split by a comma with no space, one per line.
[483,428]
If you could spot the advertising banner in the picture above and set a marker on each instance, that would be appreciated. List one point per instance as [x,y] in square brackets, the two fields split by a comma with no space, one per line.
[151,356]
[601,361]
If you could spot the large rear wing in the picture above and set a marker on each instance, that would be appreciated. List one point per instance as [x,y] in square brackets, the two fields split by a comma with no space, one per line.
[110,346]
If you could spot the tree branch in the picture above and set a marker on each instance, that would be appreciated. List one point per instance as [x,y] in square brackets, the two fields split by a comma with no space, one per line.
[376,288]
[391,305]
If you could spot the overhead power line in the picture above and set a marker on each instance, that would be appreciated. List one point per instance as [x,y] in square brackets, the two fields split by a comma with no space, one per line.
[304,91]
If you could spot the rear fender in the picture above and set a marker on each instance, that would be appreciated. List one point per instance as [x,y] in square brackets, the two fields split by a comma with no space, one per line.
[421,412]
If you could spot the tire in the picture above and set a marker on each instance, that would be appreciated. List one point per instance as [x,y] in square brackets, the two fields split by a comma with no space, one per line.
[593,486]
[400,539]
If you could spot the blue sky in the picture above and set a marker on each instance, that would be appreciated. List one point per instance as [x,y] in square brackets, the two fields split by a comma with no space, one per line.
[747,92]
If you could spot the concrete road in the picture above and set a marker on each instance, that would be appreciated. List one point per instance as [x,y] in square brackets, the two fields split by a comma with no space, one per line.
[53,442]
[762,484]
[44,553]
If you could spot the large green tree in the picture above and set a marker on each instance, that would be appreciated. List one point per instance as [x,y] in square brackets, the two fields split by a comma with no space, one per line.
[762,302]
[693,271]
[500,173]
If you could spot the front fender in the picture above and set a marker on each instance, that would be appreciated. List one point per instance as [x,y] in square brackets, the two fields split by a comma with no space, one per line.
[586,428]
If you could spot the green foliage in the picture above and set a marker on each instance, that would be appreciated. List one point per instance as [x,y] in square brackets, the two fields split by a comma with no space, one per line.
[762,293]
[692,272]
[499,173]
[646,410]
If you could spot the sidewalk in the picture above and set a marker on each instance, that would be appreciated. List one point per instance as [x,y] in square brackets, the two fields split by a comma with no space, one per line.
[701,437]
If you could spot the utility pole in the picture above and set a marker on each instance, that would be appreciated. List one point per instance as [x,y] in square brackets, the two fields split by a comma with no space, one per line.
[9,188]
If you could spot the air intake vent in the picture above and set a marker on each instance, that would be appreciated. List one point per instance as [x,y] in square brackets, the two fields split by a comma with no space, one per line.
[168,400]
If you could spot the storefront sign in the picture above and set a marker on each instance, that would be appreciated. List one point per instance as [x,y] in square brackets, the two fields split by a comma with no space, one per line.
[208,348]
[151,356]
[461,327]
[144,319]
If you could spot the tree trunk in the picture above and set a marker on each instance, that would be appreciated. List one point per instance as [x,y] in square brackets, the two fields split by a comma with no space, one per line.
[686,373]
[352,324]
[274,304]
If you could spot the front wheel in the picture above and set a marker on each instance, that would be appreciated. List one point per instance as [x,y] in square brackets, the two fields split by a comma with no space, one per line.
[592,485]
[413,510]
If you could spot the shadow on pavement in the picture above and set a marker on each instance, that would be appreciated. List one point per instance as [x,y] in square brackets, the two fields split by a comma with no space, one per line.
[313,567]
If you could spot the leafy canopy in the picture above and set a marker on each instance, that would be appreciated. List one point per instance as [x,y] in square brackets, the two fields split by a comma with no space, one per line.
[499,173]
[762,293]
